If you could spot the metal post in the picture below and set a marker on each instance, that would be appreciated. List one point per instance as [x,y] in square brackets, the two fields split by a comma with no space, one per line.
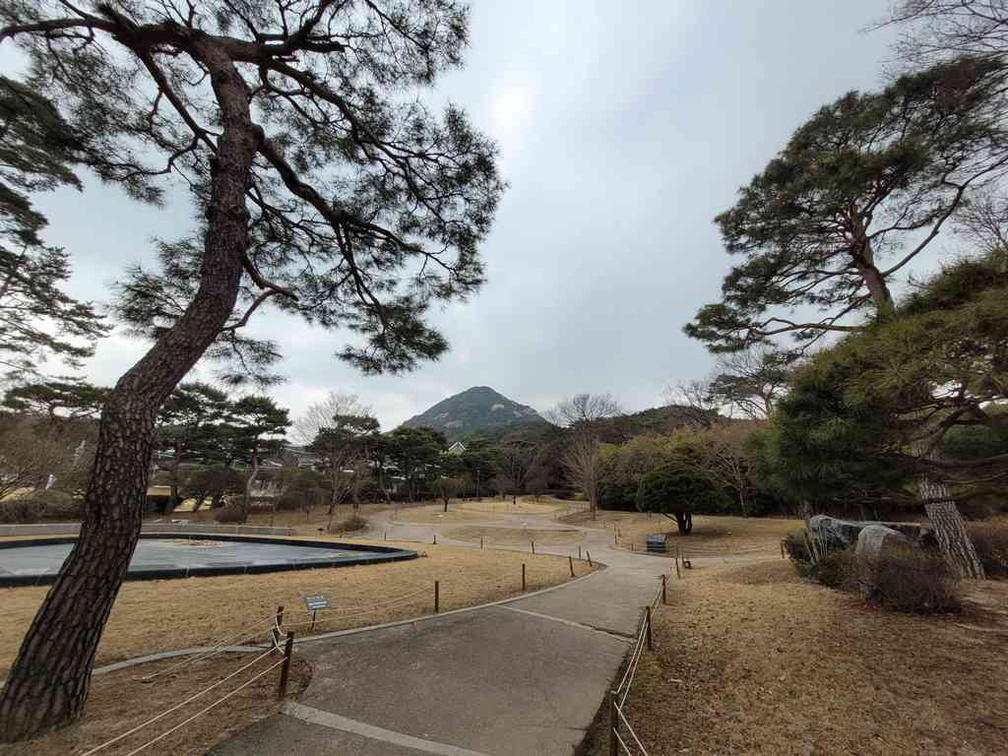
[523,576]
[533,546]
[437,596]
[312,620]
[579,552]
[285,667]
[386,536]
[481,543]
[647,619]
[664,597]
[570,561]
[589,559]
[782,549]
[435,539]
[613,724]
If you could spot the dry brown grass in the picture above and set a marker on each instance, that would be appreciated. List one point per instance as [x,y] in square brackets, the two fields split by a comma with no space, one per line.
[753,660]
[157,615]
[432,515]
[121,700]
[711,535]
[514,536]
[461,510]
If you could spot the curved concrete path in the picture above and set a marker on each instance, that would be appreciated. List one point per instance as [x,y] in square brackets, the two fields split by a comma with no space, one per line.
[525,677]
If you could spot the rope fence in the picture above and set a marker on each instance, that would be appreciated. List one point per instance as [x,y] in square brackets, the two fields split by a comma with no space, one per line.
[619,724]
[274,650]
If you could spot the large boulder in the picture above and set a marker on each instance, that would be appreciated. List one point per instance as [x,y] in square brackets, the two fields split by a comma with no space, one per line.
[875,539]
[847,532]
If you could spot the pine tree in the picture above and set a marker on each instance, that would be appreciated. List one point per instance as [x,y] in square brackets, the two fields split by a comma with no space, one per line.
[326,189]
[38,319]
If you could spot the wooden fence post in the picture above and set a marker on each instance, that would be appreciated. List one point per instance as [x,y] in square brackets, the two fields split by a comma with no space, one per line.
[523,576]
[533,546]
[279,616]
[589,559]
[481,543]
[437,596]
[579,552]
[570,561]
[677,573]
[285,667]
[647,619]
[782,549]
[664,597]
[613,724]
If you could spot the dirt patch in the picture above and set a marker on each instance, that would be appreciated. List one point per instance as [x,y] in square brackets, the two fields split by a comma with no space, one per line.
[753,660]
[121,700]
[158,615]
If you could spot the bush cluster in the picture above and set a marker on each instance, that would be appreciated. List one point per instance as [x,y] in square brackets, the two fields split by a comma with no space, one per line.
[906,580]
[991,542]
[349,525]
[829,564]
[48,504]
[233,512]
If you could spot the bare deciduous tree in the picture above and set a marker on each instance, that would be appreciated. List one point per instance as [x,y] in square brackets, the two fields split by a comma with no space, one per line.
[695,399]
[28,458]
[584,409]
[581,414]
[751,381]
[942,29]
[335,429]
[583,465]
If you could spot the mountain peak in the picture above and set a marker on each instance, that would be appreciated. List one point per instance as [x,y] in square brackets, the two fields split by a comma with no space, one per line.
[472,410]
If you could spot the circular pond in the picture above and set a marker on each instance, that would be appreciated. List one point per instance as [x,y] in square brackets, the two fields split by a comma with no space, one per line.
[37,562]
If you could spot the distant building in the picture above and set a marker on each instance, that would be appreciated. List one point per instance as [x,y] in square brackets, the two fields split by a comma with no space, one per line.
[301,456]
[457,449]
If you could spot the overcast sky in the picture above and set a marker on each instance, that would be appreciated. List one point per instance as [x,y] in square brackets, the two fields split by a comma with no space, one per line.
[624,128]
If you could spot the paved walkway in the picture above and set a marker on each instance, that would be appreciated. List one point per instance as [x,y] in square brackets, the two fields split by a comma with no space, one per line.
[525,677]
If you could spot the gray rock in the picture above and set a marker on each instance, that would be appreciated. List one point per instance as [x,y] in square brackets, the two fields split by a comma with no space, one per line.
[875,539]
[847,532]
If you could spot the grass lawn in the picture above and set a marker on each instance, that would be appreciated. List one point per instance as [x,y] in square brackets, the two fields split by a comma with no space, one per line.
[155,615]
[461,510]
[753,660]
[711,536]
[121,700]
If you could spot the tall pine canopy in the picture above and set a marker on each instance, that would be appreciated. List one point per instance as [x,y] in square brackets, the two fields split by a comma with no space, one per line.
[38,319]
[324,187]
[857,194]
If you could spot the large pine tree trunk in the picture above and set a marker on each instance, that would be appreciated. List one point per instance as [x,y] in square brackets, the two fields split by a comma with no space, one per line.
[950,532]
[48,684]
[953,541]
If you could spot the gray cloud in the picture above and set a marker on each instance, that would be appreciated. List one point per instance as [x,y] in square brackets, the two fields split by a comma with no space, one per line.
[624,128]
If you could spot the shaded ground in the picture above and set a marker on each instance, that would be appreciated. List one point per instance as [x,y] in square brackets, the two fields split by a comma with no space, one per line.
[753,660]
[153,615]
[121,700]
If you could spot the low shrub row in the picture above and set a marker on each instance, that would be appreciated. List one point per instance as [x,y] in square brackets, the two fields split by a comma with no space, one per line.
[42,504]
[904,580]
